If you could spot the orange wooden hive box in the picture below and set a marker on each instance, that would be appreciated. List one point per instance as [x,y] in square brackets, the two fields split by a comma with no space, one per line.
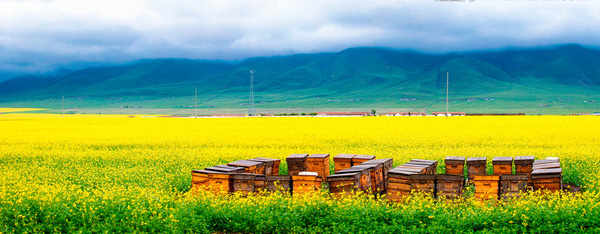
[420,168]
[424,184]
[502,165]
[358,159]
[271,165]
[476,166]
[487,186]
[524,164]
[449,186]
[252,167]
[398,183]
[365,176]
[376,174]
[296,163]
[547,179]
[344,183]
[455,165]
[214,181]
[244,183]
[306,182]
[319,163]
[342,161]
[512,186]
[431,165]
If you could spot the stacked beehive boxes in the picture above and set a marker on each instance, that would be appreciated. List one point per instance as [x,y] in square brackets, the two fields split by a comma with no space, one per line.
[416,174]
[399,183]
[547,174]
[359,159]
[271,165]
[342,161]
[524,166]
[455,165]
[217,179]
[502,165]
[376,176]
[296,163]
[365,176]
[252,167]
[449,186]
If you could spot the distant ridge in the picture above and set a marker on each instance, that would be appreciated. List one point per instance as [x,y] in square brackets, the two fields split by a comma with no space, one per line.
[375,73]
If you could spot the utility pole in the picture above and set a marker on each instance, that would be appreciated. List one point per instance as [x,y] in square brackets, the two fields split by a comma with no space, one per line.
[251,109]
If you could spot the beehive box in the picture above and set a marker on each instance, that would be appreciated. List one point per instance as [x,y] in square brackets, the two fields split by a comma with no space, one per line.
[512,186]
[546,165]
[502,165]
[524,164]
[342,161]
[431,165]
[279,183]
[359,159]
[387,164]
[244,183]
[306,182]
[419,168]
[449,186]
[319,163]
[296,163]
[424,184]
[455,165]
[260,183]
[271,165]
[344,183]
[365,176]
[476,166]
[376,176]
[398,183]
[252,167]
[226,169]
[214,181]
[547,179]
[486,186]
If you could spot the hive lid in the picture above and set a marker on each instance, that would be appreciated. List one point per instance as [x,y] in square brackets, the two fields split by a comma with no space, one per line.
[244,163]
[546,165]
[525,158]
[455,158]
[547,160]
[502,160]
[379,161]
[318,156]
[546,171]
[450,177]
[476,160]
[402,171]
[224,169]
[368,157]
[308,173]
[344,156]
[513,177]
[422,177]
[374,166]
[352,169]
[297,156]
[486,177]
[224,166]
[345,175]
[207,172]
[265,160]
[423,161]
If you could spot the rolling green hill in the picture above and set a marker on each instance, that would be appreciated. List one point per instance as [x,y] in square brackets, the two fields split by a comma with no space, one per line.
[559,79]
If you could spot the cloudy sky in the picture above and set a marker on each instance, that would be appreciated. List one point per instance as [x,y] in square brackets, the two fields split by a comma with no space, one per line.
[38,36]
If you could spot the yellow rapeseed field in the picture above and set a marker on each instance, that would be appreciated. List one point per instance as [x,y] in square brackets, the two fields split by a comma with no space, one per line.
[119,174]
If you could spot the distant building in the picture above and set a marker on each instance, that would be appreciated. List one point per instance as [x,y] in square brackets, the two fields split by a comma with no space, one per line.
[343,114]
[404,114]
[448,113]
[228,115]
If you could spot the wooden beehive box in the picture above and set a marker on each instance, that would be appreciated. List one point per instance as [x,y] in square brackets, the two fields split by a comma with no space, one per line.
[260,183]
[296,163]
[476,166]
[524,164]
[342,161]
[214,181]
[546,165]
[486,186]
[376,174]
[419,168]
[387,164]
[424,184]
[271,165]
[449,186]
[244,183]
[398,183]
[431,165]
[547,179]
[344,183]
[502,165]
[306,182]
[359,159]
[252,167]
[365,176]
[455,165]
[512,185]
[279,183]
[319,163]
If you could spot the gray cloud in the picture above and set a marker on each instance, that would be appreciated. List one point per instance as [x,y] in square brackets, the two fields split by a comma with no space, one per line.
[38,36]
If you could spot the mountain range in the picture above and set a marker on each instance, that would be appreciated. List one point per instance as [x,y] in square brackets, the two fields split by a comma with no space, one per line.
[370,75]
